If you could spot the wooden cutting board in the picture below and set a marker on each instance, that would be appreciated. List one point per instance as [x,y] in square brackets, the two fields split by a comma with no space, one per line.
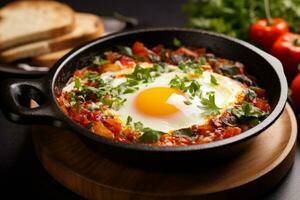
[92,176]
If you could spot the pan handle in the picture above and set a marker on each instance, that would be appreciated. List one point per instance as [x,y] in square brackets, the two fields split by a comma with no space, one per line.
[15,102]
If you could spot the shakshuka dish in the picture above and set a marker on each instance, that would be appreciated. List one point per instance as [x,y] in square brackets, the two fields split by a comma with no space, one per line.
[164,96]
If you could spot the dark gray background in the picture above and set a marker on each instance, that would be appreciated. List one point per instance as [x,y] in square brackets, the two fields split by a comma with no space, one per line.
[21,174]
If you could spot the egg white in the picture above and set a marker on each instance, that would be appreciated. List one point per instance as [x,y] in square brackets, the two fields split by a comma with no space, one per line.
[226,95]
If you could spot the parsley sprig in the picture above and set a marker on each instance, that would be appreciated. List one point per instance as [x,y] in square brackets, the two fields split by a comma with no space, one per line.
[191,66]
[184,84]
[148,135]
[213,80]
[209,105]
[146,75]
[247,110]
[98,60]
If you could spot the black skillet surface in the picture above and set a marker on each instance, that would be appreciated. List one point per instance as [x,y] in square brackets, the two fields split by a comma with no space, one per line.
[45,90]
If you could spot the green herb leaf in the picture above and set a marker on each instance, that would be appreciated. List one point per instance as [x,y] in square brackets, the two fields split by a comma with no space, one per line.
[177,43]
[194,88]
[187,102]
[150,136]
[246,109]
[209,105]
[202,60]
[130,90]
[184,84]
[141,74]
[213,80]
[235,17]
[77,83]
[250,94]
[125,50]
[118,102]
[182,66]
[94,77]
[129,120]
[99,61]
[138,126]
[198,71]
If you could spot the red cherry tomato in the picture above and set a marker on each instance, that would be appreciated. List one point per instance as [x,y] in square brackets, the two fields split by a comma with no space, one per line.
[265,35]
[295,87]
[287,50]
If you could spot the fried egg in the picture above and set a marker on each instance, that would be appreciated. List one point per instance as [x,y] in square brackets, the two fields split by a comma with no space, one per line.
[158,106]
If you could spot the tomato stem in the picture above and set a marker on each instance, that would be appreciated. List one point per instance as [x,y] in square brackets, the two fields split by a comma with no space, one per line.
[268,12]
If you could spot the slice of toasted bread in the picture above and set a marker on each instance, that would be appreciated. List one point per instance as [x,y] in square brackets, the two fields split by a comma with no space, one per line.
[29,21]
[48,60]
[87,27]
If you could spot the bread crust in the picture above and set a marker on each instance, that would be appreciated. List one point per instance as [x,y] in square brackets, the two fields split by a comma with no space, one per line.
[40,35]
[66,41]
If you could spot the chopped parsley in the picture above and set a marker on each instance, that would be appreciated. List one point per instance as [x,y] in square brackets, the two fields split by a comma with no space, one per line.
[145,75]
[198,71]
[247,110]
[100,61]
[125,50]
[177,43]
[250,93]
[202,60]
[77,83]
[148,135]
[129,120]
[209,105]
[138,126]
[184,84]
[114,102]
[213,80]
[94,77]
[190,66]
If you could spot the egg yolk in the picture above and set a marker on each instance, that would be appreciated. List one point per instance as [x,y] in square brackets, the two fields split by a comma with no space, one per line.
[153,101]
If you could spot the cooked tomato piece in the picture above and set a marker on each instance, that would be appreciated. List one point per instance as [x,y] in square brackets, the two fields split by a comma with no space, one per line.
[112,56]
[262,104]
[113,125]
[127,62]
[139,49]
[79,73]
[202,128]
[99,129]
[231,131]
[186,51]
[158,49]
[199,51]
[203,140]
[110,67]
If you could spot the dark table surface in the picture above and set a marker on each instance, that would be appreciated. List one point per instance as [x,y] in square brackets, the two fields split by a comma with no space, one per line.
[21,174]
